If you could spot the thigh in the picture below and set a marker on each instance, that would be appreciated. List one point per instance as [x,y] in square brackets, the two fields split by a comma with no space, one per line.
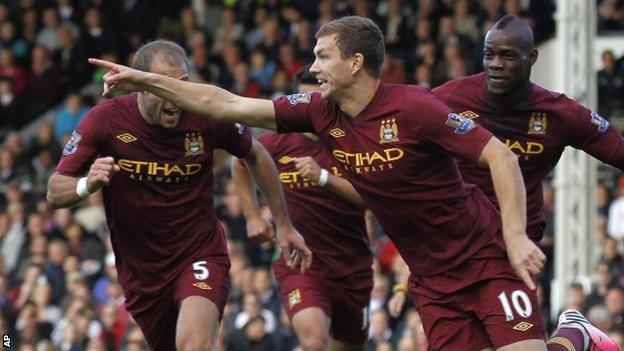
[448,325]
[311,322]
[510,313]
[301,291]
[349,320]
[158,323]
[204,278]
[198,320]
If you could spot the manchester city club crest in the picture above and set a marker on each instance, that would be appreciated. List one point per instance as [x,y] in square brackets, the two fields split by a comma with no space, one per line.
[388,131]
[193,144]
[538,123]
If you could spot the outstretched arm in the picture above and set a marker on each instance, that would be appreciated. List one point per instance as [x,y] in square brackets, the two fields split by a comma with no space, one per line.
[264,172]
[202,99]
[525,257]
[63,191]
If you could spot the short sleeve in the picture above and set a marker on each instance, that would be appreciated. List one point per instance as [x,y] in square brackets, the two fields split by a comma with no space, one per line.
[453,133]
[86,142]
[294,112]
[593,134]
[234,138]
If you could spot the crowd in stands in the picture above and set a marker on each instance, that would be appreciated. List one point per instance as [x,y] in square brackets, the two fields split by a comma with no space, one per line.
[58,288]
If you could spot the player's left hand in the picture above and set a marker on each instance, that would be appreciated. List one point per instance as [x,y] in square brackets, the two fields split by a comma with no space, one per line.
[308,168]
[526,258]
[294,248]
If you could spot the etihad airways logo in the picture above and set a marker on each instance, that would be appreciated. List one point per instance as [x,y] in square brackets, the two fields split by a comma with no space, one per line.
[372,161]
[294,180]
[158,172]
[524,148]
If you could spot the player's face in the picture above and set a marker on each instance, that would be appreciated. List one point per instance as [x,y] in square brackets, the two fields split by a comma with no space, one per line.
[333,72]
[506,62]
[156,110]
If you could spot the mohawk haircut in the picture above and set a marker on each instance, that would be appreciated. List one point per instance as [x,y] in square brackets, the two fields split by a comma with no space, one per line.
[503,22]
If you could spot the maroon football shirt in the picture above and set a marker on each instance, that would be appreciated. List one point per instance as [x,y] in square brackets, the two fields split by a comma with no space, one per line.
[399,153]
[537,130]
[159,207]
[333,228]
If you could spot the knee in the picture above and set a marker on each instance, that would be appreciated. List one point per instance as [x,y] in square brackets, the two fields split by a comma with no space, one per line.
[314,342]
[193,344]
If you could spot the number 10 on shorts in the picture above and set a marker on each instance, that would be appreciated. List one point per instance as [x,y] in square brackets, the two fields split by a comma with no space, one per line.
[521,304]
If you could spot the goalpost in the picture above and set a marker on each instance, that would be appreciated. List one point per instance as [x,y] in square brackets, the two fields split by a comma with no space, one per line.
[575,176]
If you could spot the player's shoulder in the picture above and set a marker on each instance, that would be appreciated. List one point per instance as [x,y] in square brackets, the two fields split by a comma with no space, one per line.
[116,107]
[557,103]
[469,84]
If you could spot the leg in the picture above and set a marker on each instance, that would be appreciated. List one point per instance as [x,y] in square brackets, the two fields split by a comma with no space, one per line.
[575,333]
[305,300]
[197,326]
[312,327]
[524,345]
[350,298]
[200,304]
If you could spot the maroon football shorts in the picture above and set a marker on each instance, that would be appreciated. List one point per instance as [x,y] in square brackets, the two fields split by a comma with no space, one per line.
[344,300]
[157,315]
[479,304]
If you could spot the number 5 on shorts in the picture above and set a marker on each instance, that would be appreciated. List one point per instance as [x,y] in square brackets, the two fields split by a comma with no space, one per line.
[201,271]
[521,304]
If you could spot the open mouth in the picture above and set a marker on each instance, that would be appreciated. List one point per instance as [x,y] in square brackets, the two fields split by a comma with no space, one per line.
[322,82]
[170,113]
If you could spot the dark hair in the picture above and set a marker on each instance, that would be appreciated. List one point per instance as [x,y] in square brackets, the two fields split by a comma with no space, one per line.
[303,76]
[166,50]
[354,35]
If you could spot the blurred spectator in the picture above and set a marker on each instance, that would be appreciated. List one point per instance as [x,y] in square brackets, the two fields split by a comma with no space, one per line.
[9,40]
[610,16]
[609,86]
[253,308]
[44,83]
[612,257]
[9,69]
[48,36]
[95,37]
[253,336]
[10,106]
[379,330]
[228,32]
[13,239]
[71,61]
[614,303]
[615,226]
[69,116]
[261,70]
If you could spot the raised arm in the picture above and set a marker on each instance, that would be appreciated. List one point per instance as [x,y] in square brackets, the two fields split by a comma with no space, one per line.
[258,228]
[203,99]
[66,191]
[264,172]
[525,257]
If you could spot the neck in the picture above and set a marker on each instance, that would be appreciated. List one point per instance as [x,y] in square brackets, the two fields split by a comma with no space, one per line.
[516,96]
[354,99]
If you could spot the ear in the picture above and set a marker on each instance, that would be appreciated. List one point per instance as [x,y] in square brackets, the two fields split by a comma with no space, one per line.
[533,56]
[357,63]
